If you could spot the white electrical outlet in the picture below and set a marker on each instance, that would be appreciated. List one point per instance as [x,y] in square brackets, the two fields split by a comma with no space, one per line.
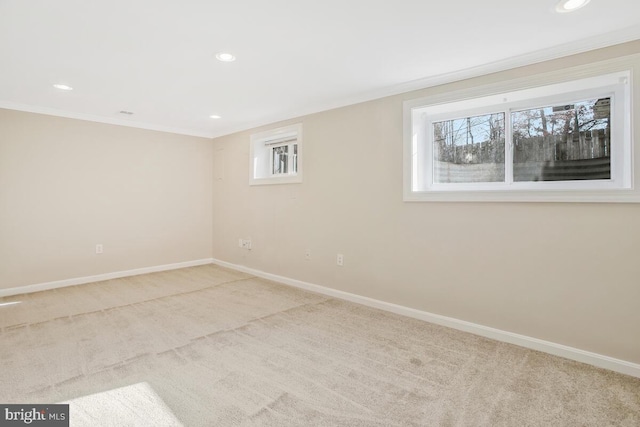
[340,260]
[307,254]
[99,249]
[248,244]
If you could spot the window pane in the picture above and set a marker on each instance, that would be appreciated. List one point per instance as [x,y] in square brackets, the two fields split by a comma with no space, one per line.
[562,142]
[470,149]
[280,159]
[294,166]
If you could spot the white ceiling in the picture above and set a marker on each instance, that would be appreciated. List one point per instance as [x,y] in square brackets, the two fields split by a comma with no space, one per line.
[157,58]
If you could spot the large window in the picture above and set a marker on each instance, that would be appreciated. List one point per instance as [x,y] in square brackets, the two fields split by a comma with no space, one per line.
[566,141]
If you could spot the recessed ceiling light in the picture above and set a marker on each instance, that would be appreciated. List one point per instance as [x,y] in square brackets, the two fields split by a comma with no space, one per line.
[63,87]
[215,116]
[225,57]
[565,6]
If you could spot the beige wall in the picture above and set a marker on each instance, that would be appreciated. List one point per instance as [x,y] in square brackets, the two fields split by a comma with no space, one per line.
[566,273]
[66,185]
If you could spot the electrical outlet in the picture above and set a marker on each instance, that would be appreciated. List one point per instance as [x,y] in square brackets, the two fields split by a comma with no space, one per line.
[307,255]
[99,249]
[340,260]
[248,244]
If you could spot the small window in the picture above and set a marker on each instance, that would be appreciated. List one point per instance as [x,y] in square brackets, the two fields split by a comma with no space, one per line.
[275,156]
[563,142]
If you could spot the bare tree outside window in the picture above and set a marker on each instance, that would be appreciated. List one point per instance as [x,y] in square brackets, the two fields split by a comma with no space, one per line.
[568,140]
[562,143]
[469,149]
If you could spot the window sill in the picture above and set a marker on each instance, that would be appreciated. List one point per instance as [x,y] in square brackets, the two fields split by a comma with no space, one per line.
[604,196]
[294,179]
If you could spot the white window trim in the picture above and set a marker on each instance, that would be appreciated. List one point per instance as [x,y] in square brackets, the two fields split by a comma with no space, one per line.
[271,138]
[524,93]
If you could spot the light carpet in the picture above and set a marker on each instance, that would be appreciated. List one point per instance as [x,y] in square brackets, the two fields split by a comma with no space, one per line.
[207,346]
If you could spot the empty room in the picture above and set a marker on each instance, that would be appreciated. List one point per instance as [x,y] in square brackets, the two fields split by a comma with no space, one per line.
[362,213]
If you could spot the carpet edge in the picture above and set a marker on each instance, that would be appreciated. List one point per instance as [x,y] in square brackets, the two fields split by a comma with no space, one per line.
[561,350]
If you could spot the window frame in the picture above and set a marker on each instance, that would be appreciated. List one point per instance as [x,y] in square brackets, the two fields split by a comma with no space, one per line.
[261,155]
[291,158]
[420,114]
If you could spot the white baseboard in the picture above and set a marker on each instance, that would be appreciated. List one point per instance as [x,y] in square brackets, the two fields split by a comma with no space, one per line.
[583,356]
[100,277]
[567,352]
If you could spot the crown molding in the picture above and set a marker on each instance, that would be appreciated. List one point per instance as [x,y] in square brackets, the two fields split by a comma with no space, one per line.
[557,52]
[566,49]
[101,119]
